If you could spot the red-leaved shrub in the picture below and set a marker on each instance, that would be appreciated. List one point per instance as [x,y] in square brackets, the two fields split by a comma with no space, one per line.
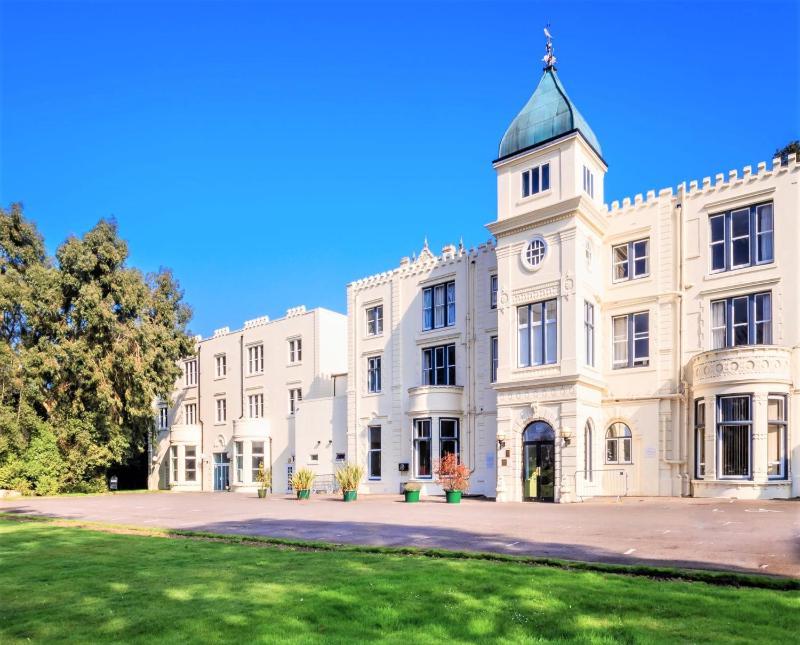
[450,474]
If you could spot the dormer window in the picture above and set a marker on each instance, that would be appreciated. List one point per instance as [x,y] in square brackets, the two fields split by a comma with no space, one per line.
[536,180]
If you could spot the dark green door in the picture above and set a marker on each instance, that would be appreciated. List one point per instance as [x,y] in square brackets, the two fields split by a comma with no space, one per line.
[538,463]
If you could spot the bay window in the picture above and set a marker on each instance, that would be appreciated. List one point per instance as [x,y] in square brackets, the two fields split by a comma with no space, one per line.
[190,463]
[256,459]
[173,464]
[776,437]
[449,438]
[422,449]
[238,458]
[741,320]
[734,436]
[537,332]
[439,365]
[699,439]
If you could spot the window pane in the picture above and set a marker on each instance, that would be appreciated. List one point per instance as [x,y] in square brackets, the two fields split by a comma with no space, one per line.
[546,176]
[535,180]
[740,223]
[524,337]
[375,463]
[719,316]
[741,251]
[717,257]
[735,450]
[621,262]
[735,408]
[620,340]
[526,183]
[640,255]
[775,449]
[611,451]
[718,228]
[626,451]
[764,232]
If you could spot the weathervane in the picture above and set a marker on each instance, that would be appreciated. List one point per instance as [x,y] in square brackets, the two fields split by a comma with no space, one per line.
[549,59]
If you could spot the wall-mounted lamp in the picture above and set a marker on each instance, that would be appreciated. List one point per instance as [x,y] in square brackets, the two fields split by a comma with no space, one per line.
[501,443]
[566,441]
[319,443]
[330,441]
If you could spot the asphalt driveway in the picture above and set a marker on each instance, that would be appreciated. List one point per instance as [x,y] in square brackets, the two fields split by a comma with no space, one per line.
[753,536]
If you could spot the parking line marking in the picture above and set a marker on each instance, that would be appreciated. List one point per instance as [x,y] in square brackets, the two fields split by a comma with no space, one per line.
[629,551]
[512,544]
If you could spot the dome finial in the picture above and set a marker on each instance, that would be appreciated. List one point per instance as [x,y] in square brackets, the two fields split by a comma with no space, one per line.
[549,59]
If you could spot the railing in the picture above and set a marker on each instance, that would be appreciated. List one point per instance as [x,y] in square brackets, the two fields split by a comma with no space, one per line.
[601,483]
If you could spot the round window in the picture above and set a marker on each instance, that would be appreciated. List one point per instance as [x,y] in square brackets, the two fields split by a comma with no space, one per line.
[533,253]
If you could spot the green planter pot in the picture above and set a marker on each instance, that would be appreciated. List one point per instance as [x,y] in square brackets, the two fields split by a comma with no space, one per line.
[411,496]
[304,494]
[350,495]
[262,493]
[453,496]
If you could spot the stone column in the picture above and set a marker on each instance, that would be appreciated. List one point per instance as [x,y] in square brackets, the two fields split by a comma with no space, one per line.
[710,438]
[759,431]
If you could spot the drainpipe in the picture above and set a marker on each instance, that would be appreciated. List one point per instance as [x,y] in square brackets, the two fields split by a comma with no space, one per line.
[241,376]
[471,409]
[200,418]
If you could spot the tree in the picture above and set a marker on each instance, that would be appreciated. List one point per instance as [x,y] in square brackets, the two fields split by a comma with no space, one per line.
[793,147]
[87,345]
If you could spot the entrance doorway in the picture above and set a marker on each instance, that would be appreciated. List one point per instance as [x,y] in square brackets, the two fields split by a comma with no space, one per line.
[538,462]
[222,470]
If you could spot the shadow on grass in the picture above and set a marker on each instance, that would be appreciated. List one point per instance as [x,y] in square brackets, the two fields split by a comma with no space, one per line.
[90,586]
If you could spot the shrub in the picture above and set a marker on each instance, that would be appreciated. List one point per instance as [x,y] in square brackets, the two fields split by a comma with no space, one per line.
[303,479]
[264,476]
[412,487]
[349,476]
[452,475]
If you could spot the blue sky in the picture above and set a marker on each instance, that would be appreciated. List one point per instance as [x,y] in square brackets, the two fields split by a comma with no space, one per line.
[269,153]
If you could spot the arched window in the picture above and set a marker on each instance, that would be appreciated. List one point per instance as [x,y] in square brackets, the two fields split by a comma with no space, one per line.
[538,431]
[618,444]
[587,450]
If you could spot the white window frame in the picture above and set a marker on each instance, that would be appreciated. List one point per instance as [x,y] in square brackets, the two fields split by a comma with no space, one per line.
[622,444]
[439,306]
[190,413]
[455,438]
[588,181]
[255,405]
[588,457]
[723,333]
[295,350]
[537,332]
[372,432]
[633,254]
[493,287]
[781,427]
[588,332]
[163,417]
[190,473]
[190,372]
[533,180]
[422,433]
[374,374]
[493,358]
[374,320]
[257,454]
[221,410]
[699,438]
[220,365]
[437,361]
[255,359]
[756,232]
[631,359]
[720,438]
[295,398]
[238,462]
[173,464]
[534,253]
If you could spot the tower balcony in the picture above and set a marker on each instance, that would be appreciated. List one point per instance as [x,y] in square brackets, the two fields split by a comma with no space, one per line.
[438,399]
[742,364]
[186,433]
[250,429]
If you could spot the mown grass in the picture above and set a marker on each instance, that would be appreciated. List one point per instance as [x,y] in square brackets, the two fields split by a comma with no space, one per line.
[69,584]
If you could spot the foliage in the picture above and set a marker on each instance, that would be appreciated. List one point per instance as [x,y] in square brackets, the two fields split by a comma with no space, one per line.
[412,487]
[84,584]
[451,474]
[349,476]
[87,344]
[303,479]
[793,147]
[264,476]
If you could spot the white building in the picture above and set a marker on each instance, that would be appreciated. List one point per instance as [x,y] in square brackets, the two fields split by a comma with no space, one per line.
[649,348]
[237,404]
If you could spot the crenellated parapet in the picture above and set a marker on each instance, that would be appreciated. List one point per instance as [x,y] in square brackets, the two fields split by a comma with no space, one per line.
[424,263]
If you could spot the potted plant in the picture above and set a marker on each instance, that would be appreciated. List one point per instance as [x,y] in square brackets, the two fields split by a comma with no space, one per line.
[264,477]
[453,477]
[349,477]
[411,491]
[302,481]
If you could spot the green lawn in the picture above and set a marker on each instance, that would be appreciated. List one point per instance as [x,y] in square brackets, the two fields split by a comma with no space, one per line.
[78,585]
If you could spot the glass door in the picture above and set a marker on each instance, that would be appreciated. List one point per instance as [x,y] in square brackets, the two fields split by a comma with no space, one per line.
[222,469]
